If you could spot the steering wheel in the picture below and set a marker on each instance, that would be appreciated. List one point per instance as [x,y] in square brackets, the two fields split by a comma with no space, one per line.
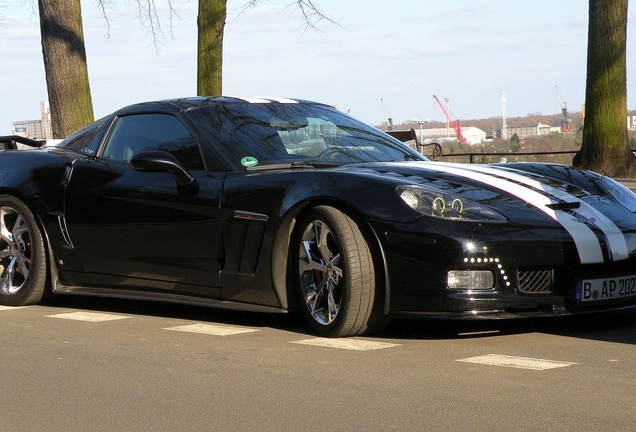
[331,151]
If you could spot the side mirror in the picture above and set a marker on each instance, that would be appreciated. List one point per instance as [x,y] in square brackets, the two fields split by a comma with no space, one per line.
[158,161]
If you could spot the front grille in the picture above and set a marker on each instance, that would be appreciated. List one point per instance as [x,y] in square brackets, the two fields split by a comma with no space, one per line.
[535,281]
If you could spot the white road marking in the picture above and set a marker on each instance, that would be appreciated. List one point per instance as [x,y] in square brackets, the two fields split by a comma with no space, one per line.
[210,329]
[88,316]
[516,362]
[3,308]
[348,344]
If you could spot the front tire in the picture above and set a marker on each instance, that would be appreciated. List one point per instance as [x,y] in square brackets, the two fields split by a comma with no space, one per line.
[22,255]
[335,274]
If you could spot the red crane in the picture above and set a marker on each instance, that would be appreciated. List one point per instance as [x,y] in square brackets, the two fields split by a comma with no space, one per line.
[456,125]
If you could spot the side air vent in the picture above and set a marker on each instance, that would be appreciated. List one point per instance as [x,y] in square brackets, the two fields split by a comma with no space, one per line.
[61,220]
[535,281]
[243,238]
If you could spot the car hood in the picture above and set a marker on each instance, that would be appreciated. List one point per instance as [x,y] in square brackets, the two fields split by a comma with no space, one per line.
[585,204]
[452,175]
[559,184]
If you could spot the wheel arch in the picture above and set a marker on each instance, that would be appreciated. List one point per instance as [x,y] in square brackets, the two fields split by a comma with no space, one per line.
[283,284]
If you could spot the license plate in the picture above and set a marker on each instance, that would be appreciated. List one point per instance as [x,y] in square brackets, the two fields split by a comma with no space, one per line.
[606,288]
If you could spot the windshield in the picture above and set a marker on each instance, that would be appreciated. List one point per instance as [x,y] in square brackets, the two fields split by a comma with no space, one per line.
[262,134]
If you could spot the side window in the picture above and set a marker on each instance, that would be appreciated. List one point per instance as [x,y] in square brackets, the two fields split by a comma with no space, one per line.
[81,140]
[152,132]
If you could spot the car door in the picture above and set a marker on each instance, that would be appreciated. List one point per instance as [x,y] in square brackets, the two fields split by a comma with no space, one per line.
[142,228]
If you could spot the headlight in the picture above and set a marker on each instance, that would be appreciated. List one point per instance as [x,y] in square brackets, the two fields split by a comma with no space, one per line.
[621,193]
[443,205]
[470,279]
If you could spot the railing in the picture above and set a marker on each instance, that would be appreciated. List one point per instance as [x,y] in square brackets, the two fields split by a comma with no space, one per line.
[628,182]
[471,156]
[434,150]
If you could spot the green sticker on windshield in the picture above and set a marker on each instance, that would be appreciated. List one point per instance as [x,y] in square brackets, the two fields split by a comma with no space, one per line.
[249,161]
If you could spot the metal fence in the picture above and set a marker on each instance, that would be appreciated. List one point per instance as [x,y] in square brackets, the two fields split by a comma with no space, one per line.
[502,156]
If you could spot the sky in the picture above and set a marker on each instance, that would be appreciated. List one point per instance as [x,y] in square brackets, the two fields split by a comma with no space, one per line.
[377,59]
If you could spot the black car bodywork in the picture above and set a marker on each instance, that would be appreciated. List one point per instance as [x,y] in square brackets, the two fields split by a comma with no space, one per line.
[278,204]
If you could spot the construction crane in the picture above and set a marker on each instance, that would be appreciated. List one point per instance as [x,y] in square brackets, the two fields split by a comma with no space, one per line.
[565,120]
[456,125]
[389,120]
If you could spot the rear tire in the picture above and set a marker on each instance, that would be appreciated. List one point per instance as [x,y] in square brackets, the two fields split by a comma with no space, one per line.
[335,275]
[22,255]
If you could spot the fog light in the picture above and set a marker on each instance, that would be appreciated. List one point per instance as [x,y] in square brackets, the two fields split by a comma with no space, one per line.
[470,279]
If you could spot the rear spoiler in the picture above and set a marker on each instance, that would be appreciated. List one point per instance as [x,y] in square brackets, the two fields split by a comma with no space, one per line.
[10,142]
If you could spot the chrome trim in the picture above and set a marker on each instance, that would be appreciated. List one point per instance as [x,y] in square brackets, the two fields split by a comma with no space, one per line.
[239,214]
[61,220]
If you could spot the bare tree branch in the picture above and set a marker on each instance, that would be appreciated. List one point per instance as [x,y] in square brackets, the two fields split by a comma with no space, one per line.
[149,18]
[312,16]
[104,6]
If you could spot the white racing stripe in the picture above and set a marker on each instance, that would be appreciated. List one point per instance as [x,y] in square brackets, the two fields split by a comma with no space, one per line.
[615,238]
[587,244]
[281,100]
[265,100]
[252,100]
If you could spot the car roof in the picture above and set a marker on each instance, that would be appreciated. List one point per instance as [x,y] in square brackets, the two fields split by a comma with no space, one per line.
[183,104]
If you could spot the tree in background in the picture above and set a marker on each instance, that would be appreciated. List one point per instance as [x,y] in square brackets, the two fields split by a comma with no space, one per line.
[65,65]
[605,146]
[211,25]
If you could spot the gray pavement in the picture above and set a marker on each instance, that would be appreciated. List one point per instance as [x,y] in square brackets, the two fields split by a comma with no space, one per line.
[104,365]
[101,365]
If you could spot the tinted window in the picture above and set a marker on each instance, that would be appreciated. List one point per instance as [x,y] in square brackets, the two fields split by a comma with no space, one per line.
[81,140]
[257,134]
[152,132]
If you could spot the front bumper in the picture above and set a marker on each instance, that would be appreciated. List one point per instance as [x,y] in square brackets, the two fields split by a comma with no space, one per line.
[532,277]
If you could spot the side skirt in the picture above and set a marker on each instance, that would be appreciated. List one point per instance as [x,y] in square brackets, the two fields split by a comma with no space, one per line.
[163,297]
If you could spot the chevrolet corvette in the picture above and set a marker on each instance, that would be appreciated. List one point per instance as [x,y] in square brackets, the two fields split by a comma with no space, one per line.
[282,205]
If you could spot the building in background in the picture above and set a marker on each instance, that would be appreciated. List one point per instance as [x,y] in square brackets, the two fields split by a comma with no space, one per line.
[524,132]
[36,129]
[472,135]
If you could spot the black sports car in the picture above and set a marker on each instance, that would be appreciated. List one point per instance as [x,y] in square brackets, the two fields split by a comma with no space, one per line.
[279,204]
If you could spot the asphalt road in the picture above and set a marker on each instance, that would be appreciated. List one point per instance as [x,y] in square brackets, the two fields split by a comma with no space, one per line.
[96,365]
[104,365]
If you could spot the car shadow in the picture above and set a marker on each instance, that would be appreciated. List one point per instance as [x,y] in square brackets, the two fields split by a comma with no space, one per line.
[617,327]
[285,321]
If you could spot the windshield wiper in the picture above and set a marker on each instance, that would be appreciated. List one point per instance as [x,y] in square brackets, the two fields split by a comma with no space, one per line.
[314,164]
[296,165]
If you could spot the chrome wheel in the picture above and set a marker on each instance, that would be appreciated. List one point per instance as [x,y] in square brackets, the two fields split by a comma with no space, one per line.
[15,251]
[22,255]
[335,274]
[320,272]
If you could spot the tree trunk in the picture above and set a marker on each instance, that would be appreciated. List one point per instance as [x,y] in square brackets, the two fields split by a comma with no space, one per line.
[605,146]
[65,66]
[211,24]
